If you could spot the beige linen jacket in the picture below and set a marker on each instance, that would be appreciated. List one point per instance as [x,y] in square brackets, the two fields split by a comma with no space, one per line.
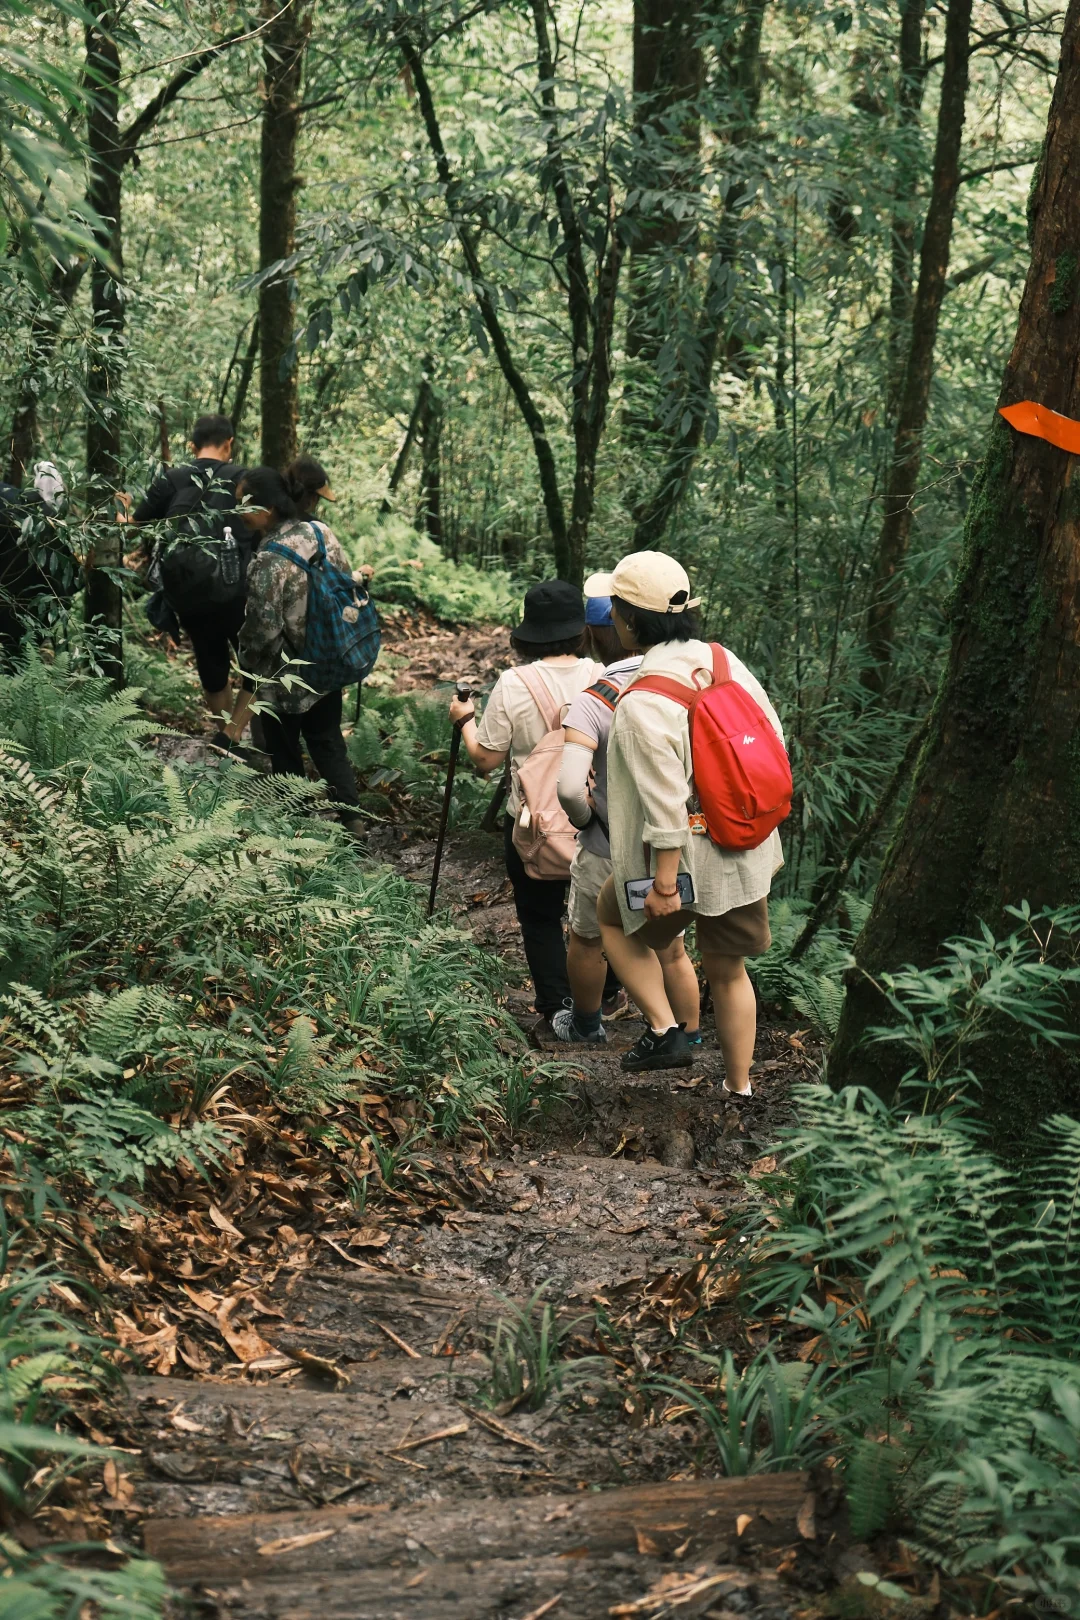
[650,780]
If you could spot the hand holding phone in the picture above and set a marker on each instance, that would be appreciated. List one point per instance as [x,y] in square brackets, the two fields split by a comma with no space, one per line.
[638,888]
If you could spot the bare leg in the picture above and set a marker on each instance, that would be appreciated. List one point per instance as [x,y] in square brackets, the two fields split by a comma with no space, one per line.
[735,1007]
[235,726]
[639,969]
[681,985]
[587,970]
[219,703]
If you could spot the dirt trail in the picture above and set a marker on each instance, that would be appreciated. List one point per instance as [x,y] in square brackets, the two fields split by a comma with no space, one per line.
[370,1483]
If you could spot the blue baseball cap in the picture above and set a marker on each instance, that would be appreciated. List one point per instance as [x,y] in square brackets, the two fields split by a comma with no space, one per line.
[597,604]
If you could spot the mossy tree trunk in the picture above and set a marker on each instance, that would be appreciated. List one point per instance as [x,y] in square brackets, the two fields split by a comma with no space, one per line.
[106,341]
[994,813]
[284,40]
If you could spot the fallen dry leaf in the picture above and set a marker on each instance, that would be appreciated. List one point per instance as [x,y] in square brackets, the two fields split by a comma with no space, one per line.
[223,1223]
[804,1521]
[743,1522]
[545,1608]
[286,1544]
[646,1546]
[429,1439]
[319,1367]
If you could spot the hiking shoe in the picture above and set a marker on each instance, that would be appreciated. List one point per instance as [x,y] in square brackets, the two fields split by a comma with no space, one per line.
[615,1006]
[694,1040]
[652,1051]
[564,1029]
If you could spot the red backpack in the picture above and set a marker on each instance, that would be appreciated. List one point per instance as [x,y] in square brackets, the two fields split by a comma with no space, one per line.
[741,771]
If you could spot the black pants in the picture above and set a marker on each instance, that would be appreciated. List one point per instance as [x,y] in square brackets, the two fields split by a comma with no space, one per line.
[540,904]
[320,727]
[214,636]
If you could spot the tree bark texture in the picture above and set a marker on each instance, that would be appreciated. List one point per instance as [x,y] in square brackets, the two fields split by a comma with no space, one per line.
[741,80]
[668,78]
[906,459]
[994,813]
[44,336]
[284,42]
[430,513]
[105,348]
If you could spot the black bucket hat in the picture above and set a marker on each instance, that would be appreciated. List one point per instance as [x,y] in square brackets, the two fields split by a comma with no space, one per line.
[554,611]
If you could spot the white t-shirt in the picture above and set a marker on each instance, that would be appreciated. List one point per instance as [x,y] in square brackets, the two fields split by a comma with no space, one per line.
[511,722]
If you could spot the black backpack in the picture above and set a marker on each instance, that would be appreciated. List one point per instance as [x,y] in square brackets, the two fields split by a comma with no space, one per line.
[205,564]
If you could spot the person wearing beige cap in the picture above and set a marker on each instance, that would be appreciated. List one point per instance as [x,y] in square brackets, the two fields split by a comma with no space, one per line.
[655,833]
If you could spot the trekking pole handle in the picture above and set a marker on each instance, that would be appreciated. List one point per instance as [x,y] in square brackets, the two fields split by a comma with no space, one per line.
[464,693]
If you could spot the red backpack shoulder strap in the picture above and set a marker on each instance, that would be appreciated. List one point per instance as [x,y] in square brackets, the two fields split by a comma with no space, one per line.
[541,694]
[665,686]
[721,665]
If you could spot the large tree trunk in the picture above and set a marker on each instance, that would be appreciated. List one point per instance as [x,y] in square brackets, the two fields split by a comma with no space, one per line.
[993,816]
[284,40]
[906,461]
[105,348]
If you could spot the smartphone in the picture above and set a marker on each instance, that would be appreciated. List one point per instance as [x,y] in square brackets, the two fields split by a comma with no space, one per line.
[638,888]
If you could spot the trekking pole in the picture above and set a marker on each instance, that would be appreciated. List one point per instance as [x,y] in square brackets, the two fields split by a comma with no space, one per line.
[463,695]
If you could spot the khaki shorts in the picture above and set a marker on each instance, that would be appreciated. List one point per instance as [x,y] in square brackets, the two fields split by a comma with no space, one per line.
[588,873]
[743,931]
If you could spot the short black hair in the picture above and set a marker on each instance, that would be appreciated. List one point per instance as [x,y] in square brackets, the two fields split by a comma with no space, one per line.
[650,629]
[532,650]
[211,430]
[264,486]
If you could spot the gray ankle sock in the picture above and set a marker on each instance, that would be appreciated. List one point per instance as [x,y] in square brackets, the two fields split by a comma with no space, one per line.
[587,1023]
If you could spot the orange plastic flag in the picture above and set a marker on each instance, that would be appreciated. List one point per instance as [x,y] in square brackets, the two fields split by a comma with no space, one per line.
[1042,423]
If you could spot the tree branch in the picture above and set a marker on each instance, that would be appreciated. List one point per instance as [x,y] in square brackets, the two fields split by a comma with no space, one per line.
[145,121]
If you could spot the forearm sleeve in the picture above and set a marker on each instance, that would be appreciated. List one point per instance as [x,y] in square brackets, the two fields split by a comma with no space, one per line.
[577,762]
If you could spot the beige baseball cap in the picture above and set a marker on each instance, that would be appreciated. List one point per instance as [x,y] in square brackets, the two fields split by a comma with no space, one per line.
[646,579]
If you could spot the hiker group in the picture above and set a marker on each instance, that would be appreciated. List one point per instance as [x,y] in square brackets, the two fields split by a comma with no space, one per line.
[647,779]
[239,562]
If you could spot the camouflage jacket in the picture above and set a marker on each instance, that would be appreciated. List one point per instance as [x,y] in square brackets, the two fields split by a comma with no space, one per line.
[275,623]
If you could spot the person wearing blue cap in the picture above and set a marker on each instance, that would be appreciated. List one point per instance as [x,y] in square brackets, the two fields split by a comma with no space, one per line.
[583,795]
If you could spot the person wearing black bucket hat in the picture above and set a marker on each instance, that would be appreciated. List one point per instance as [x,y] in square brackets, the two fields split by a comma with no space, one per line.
[549,639]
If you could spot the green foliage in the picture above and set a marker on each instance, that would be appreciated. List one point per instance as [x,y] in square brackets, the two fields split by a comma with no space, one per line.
[38,1588]
[411,570]
[527,1359]
[769,1415]
[940,1287]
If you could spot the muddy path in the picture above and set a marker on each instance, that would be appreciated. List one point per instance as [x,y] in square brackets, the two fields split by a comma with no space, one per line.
[362,1468]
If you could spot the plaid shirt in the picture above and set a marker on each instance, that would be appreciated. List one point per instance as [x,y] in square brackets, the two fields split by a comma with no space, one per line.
[275,624]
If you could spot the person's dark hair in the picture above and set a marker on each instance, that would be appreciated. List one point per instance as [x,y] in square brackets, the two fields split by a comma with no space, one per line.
[211,430]
[602,643]
[304,477]
[530,651]
[651,629]
[264,486]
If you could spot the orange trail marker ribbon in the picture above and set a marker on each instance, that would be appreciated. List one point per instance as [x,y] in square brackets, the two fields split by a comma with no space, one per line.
[1042,423]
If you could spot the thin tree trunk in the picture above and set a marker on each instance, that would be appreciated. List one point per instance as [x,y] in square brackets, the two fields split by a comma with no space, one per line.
[284,41]
[431,472]
[412,432]
[105,347]
[906,458]
[534,421]
[992,817]
[243,382]
[743,84]
[591,323]
[912,82]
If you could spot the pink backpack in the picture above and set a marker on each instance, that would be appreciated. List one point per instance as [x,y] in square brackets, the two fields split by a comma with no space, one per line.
[544,835]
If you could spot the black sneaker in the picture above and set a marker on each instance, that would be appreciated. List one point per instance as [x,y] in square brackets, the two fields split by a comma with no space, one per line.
[667,1051]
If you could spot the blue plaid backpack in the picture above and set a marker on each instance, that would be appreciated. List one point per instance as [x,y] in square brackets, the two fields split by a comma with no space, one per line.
[342,639]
